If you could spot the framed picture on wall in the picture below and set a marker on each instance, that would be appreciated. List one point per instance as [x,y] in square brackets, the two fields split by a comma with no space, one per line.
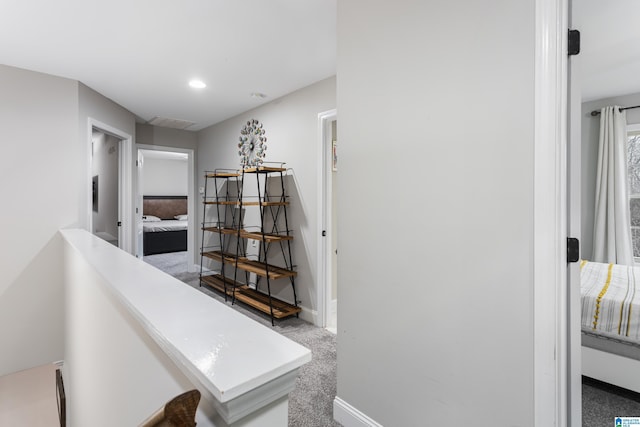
[94,192]
[334,155]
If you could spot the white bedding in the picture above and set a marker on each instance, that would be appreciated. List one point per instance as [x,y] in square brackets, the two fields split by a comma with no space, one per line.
[610,299]
[164,225]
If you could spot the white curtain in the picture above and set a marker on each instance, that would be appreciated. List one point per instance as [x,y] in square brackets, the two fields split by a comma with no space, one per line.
[612,226]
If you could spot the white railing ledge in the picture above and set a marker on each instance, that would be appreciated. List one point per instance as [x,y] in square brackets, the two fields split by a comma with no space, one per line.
[243,364]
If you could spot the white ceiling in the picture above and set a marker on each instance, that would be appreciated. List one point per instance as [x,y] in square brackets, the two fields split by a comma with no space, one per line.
[609,60]
[142,53]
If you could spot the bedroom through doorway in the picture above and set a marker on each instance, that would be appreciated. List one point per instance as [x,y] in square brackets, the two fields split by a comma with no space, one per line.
[165,204]
[605,90]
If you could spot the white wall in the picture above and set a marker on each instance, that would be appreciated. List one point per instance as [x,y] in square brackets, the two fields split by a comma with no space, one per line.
[435,206]
[39,183]
[45,183]
[590,136]
[163,177]
[291,125]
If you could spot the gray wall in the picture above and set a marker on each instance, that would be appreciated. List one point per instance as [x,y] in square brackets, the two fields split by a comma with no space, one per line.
[590,136]
[45,182]
[39,185]
[166,137]
[291,125]
[435,205]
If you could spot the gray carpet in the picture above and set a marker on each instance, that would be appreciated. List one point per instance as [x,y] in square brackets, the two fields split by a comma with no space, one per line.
[311,402]
[602,402]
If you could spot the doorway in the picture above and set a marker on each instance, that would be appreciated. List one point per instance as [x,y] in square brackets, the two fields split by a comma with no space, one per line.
[109,184]
[166,171]
[328,247]
[105,172]
[604,73]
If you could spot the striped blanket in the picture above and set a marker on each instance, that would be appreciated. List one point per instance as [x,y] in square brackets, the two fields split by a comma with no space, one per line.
[610,299]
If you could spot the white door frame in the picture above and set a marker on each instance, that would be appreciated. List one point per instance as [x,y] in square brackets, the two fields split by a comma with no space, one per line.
[190,194]
[574,229]
[324,217]
[125,215]
[554,367]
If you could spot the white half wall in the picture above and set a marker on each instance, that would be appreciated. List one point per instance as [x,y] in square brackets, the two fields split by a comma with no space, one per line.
[291,125]
[176,339]
[97,370]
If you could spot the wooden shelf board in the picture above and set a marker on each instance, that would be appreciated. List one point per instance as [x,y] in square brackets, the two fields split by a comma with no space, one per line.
[221,202]
[257,267]
[222,230]
[220,256]
[256,203]
[251,297]
[255,235]
[247,203]
[264,169]
[222,175]
[268,237]
[217,282]
[260,268]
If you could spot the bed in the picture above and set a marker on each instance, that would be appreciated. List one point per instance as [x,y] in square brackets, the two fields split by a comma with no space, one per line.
[610,323]
[164,224]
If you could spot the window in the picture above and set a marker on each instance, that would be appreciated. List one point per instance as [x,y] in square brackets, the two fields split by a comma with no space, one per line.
[633,150]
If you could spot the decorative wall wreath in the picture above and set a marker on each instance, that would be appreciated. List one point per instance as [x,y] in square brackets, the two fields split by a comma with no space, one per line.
[252,145]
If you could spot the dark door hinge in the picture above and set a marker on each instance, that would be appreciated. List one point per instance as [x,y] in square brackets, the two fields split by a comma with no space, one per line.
[573,249]
[324,233]
[119,223]
[574,42]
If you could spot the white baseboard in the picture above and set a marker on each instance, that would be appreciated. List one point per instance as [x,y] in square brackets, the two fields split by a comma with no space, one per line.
[309,315]
[349,416]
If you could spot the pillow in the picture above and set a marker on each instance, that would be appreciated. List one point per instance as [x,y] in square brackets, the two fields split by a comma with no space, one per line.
[150,218]
[181,217]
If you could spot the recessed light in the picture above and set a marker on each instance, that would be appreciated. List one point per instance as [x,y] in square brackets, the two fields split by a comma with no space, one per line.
[258,95]
[197,84]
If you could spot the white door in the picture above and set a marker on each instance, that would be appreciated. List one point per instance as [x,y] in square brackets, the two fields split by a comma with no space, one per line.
[106,187]
[327,240]
[139,210]
[332,172]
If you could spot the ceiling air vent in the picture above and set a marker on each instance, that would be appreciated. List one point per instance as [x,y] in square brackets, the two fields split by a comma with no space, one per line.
[166,122]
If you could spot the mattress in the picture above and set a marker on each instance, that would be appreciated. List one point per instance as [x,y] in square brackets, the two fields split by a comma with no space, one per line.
[164,225]
[610,300]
